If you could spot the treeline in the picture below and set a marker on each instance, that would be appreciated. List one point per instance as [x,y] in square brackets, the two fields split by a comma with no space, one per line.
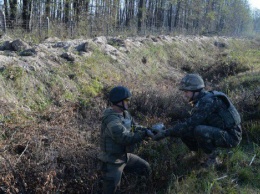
[222,17]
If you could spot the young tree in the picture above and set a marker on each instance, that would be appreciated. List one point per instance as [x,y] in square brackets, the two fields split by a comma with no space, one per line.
[66,11]
[48,8]
[13,12]
[6,9]
[177,14]
[140,15]
[26,14]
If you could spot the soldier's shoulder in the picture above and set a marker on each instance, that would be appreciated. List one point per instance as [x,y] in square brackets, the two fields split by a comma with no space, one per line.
[110,117]
[207,99]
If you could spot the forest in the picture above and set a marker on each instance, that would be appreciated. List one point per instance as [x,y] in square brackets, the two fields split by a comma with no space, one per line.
[131,17]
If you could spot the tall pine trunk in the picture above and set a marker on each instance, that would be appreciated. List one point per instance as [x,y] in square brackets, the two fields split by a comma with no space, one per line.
[140,15]
[26,14]
[13,12]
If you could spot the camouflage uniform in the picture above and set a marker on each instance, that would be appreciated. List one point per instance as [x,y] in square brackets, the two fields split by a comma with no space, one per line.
[117,140]
[214,122]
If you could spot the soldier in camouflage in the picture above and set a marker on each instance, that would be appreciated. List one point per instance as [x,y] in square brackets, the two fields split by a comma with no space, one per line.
[214,121]
[119,134]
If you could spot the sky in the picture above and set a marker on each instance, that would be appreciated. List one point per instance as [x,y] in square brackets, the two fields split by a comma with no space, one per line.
[254,3]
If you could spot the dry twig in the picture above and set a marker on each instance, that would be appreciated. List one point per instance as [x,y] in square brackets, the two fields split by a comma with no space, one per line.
[22,152]
[225,176]
[252,160]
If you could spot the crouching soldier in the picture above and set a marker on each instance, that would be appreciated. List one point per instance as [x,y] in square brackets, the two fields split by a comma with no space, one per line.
[118,134]
[214,121]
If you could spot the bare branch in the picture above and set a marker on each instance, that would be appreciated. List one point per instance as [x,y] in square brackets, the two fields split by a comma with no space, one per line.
[225,176]
[252,160]
[22,152]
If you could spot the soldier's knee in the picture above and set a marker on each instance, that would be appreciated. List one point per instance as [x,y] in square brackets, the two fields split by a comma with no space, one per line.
[199,131]
[148,170]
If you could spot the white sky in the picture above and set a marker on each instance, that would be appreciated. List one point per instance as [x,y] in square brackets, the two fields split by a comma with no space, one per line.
[254,3]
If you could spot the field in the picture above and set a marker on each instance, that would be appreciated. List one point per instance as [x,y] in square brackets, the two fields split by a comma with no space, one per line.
[52,102]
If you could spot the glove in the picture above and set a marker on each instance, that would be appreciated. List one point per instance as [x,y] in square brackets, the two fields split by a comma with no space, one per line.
[157,128]
[145,132]
[160,135]
[149,133]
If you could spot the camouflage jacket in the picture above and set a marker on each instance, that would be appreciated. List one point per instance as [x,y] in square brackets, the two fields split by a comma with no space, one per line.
[117,134]
[208,110]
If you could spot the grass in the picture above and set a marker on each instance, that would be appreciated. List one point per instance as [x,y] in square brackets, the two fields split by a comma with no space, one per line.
[247,53]
[249,81]
[56,111]
[237,173]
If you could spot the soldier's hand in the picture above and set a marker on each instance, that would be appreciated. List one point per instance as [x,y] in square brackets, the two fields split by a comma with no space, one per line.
[157,128]
[149,133]
[159,136]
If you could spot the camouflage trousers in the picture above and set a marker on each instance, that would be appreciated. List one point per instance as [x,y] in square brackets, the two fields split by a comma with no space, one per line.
[112,173]
[209,138]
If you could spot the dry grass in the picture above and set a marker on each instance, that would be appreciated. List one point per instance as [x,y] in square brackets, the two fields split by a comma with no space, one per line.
[52,148]
[55,152]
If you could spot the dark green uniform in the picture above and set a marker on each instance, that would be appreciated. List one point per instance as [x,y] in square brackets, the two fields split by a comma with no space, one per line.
[214,122]
[118,136]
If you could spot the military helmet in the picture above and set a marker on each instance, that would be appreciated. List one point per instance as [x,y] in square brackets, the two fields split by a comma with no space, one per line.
[191,82]
[118,94]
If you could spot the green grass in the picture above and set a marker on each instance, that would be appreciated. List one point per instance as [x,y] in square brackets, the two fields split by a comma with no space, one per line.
[248,81]
[51,90]
[237,173]
[247,53]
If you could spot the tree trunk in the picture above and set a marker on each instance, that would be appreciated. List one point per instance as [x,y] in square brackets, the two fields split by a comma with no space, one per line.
[66,11]
[13,10]
[177,17]
[59,13]
[6,10]
[47,8]
[76,10]
[170,18]
[127,19]
[140,15]
[26,14]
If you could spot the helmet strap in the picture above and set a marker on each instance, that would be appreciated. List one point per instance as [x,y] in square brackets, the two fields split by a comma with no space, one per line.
[121,106]
[193,95]
[192,98]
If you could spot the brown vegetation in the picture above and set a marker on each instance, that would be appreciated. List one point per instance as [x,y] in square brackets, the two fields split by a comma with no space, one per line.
[53,149]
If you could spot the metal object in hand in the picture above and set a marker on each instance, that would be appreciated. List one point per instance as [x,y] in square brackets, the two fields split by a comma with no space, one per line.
[158,127]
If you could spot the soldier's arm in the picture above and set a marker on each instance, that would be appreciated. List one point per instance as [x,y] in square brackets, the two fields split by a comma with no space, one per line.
[121,135]
[135,125]
[205,108]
